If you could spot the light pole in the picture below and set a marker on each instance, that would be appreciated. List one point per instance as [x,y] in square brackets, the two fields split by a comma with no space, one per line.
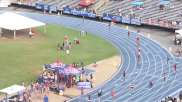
[83,18]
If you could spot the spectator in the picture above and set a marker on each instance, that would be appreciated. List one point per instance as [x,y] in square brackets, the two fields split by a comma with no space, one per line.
[46,98]
[128,33]
[124,74]
[95,64]
[180,96]
[138,55]
[175,66]
[167,59]
[100,93]
[91,76]
[150,83]
[164,76]
[131,88]
[89,98]
[113,93]
[82,65]
[82,91]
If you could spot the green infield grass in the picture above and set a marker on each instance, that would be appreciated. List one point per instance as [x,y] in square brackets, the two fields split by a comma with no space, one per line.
[22,59]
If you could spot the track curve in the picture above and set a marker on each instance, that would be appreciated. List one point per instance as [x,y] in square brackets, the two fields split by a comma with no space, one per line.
[153,64]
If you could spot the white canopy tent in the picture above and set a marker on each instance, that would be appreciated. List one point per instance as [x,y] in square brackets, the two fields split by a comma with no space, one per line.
[13,21]
[179,31]
[14,89]
[5,3]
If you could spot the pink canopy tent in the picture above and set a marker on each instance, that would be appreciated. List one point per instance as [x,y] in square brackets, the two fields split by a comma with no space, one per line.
[71,70]
[58,63]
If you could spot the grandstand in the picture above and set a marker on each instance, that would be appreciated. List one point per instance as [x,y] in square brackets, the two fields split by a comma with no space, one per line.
[151,12]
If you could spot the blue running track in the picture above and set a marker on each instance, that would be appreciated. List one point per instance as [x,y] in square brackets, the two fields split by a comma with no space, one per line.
[151,68]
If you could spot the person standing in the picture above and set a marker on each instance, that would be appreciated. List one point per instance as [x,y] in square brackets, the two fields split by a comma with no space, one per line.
[99,94]
[174,67]
[89,98]
[32,87]
[46,98]
[83,19]
[139,50]
[131,88]
[138,55]
[124,74]
[164,76]
[82,91]
[91,76]
[167,59]
[82,64]
[138,40]
[95,64]
[113,93]
[151,84]
[138,31]
[180,96]
[128,33]
[82,33]
[109,25]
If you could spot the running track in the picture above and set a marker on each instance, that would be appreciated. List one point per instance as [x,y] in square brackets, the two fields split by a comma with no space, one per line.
[153,64]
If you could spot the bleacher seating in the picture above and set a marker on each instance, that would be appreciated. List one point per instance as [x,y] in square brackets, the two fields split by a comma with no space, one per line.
[151,13]
[151,9]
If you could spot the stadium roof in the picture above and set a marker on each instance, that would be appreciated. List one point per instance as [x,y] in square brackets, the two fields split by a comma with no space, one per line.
[13,21]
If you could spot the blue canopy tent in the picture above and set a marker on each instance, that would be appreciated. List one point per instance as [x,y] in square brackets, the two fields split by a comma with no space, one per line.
[137,3]
[164,2]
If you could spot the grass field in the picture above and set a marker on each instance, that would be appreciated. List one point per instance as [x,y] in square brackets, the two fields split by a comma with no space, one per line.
[22,59]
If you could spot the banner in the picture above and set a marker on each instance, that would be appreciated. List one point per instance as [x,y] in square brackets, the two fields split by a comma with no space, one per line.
[84,85]
[126,20]
[117,19]
[67,10]
[136,21]
[52,8]
[107,17]
[42,6]
[78,12]
[39,6]
[110,17]
[46,7]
